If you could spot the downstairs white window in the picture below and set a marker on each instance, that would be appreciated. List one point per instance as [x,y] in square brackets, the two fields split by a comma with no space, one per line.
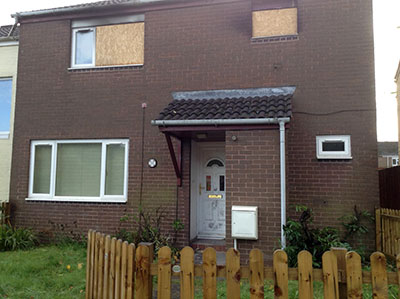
[333,147]
[79,170]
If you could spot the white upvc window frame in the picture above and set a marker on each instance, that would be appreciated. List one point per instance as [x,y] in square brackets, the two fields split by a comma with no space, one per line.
[321,154]
[73,49]
[103,198]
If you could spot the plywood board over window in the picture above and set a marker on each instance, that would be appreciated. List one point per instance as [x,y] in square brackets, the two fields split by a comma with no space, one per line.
[275,22]
[120,44]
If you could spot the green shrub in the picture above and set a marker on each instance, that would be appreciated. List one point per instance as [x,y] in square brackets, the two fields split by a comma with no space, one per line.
[16,238]
[147,228]
[300,236]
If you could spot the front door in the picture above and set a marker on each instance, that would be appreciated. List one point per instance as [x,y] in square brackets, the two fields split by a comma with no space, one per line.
[211,195]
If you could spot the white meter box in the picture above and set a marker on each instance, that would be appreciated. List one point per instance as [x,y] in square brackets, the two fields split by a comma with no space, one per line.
[245,222]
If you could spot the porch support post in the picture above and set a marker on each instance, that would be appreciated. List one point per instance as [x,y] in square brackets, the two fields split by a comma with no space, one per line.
[283,181]
[177,162]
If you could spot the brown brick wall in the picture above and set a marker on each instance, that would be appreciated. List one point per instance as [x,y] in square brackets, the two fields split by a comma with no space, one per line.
[253,179]
[200,48]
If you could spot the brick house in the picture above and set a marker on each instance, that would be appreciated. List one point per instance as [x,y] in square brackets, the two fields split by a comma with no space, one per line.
[196,107]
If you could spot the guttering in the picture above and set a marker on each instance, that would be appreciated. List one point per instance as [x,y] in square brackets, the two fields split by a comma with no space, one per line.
[79,8]
[217,122]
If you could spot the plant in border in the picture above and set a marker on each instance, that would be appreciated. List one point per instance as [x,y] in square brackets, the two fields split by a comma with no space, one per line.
[300,235]
[12,238]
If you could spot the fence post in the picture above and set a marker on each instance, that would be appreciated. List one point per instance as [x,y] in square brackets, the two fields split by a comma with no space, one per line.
[354,275]
[341,263]
[233,274]
[209,273]
[187,273]
[256,274]
[330,275]
[164,273]
[151,259]
[378,229]
[305,275]
[280,267]
[379,275]
[142,273]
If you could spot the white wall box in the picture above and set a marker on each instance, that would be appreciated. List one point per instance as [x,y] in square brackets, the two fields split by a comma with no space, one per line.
[245,222]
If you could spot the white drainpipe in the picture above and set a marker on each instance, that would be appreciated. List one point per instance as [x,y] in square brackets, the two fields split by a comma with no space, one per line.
[283,180]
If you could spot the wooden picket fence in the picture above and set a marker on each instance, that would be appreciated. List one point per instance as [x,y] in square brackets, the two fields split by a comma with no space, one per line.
[388,231]
[116,269]
[5,213]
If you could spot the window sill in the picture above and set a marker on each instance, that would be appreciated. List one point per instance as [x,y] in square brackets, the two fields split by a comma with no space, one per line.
[104,68]
[274,39]
[334,158]
[77,199]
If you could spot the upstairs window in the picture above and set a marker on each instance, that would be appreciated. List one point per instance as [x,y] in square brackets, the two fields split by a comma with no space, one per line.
[79,170]
[333,147]
[84,49]
[115,41]
[5,107]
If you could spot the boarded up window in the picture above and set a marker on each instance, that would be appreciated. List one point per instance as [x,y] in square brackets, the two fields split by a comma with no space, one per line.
[120,44]
[276,22]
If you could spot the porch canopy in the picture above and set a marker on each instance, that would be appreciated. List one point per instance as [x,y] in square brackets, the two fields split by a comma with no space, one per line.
[208,114]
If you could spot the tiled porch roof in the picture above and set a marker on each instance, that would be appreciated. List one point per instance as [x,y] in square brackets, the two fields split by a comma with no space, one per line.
[225,105]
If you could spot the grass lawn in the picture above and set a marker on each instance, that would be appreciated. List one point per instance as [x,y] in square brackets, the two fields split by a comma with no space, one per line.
[43,273]
[59,272]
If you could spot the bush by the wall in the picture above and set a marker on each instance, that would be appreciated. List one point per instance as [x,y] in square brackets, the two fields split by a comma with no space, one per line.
[16,238]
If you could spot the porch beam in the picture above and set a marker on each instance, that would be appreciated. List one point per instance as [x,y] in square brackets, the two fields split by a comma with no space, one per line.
[219,128]
[177,162]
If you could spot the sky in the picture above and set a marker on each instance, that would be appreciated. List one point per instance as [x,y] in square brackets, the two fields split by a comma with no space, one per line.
[387,53]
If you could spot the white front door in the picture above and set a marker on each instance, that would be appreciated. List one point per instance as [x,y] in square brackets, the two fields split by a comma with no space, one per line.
[211,194]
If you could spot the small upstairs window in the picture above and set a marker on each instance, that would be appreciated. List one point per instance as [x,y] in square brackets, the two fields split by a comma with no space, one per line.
[333,147]
[84,49]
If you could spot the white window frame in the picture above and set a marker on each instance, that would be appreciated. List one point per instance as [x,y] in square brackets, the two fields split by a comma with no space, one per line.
[321,154]
[73,50]
[53,172]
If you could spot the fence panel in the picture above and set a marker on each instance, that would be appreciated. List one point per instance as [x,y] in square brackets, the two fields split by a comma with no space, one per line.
[388,231]
[389,188]
[117,270]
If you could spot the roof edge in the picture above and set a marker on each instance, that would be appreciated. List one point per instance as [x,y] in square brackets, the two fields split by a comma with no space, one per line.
[77,8]
[217,122]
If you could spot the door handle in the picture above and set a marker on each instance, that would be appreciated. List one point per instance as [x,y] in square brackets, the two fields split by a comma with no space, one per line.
[200,188]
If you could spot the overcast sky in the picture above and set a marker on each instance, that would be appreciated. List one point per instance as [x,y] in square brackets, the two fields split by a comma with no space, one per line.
[387,53]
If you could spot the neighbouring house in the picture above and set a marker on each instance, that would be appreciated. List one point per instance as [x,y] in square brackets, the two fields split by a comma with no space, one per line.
[8,82]
[388,154]
[197,107]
